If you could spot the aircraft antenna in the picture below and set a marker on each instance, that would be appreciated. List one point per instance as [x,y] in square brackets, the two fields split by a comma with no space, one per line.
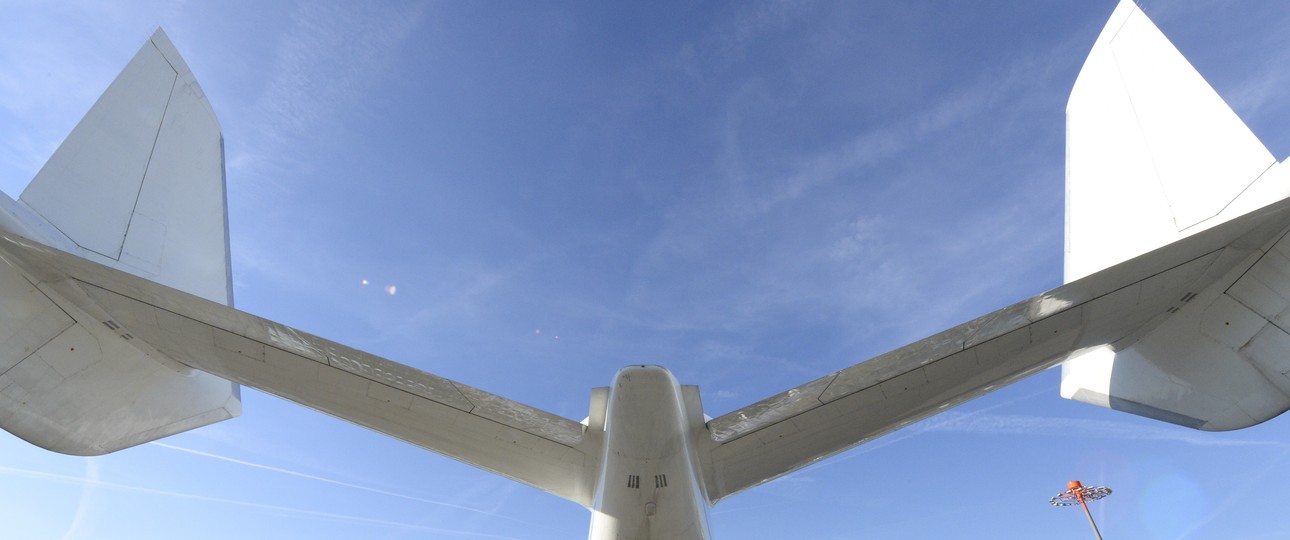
[1080,493]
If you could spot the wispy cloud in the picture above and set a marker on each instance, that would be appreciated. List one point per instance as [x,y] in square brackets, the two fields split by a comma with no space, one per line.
[329,56]
[324,63]
[837,238]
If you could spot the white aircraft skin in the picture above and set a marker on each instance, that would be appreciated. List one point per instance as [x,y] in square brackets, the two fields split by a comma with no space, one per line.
[117,326]
[649,486]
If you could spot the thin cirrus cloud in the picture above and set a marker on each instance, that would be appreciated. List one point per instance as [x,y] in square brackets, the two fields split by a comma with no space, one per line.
[327,58]
[698,225]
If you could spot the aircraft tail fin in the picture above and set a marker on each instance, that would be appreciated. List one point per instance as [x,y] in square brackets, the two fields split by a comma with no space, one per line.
[139,186]
[1153,153]
[139,183]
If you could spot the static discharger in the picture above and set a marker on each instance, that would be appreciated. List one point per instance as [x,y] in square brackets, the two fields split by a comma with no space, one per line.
[1080,493]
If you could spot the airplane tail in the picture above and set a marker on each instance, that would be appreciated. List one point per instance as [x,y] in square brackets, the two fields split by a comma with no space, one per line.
[1155,155]
[138,185]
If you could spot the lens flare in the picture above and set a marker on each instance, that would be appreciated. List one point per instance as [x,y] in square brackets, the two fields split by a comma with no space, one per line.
[390,289]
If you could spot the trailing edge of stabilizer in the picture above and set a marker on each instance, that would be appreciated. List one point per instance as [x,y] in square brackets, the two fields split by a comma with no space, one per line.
[1154,155]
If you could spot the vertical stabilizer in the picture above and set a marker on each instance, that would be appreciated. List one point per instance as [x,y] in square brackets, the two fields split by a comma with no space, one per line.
[139,183]
[1153,153]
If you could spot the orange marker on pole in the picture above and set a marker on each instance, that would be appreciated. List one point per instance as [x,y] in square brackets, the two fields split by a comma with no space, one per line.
[1077,492]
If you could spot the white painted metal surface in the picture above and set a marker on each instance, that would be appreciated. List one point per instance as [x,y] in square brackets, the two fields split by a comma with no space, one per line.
[1219,362]
[74,382]
[139,183]
[649,479]
[122,332]
[1153,154]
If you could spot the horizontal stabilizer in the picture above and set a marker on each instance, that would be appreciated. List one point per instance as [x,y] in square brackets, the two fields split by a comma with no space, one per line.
[805,424]
[494,433]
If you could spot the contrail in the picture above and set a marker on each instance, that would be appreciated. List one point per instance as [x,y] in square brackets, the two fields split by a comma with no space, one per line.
[281,509]
[335,482]
[911,431]
[1236,494]
[83,507]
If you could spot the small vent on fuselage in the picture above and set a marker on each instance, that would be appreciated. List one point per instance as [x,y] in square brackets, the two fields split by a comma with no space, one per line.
[111,324]
[1185,298]
[634,481]
[660,480]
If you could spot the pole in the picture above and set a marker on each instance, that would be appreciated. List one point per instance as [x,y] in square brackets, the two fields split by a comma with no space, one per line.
[1078,489]
[1090,518]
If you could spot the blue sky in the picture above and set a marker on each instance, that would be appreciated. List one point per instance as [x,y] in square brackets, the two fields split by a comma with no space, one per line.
[751,195]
